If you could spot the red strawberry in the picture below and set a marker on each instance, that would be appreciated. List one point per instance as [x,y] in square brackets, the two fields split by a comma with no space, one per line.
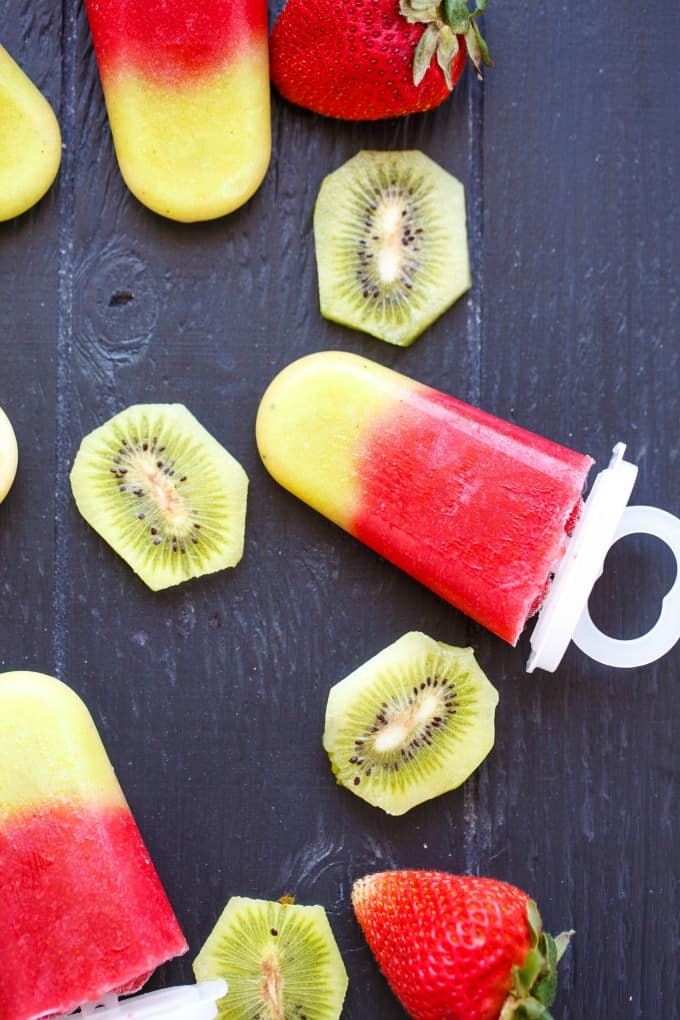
[366,59]
[457,947]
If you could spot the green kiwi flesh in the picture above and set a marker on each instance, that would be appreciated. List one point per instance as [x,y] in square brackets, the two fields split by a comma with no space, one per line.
[391,244]
[411,723]
[163,493]
[280,962]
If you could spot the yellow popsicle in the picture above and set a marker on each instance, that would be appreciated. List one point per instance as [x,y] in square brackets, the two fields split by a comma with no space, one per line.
[30,141]
[187,93]
[51,751]
[8,455]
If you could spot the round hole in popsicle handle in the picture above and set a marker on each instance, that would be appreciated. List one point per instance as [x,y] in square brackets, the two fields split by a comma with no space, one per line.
[626,599]
[640,651]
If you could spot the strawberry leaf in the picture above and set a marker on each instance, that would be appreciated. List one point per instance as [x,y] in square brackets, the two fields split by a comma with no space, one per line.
[447,48]
[425,51]
[483,48]
[419,11]
[534,922]
[561,943]
[525,977]
[545,988]
[445,19]
[532,1010]
[523,1009]
[474,52]
[535,982]
[457,16]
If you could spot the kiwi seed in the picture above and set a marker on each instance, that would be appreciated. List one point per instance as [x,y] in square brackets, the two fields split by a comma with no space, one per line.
[411,723]
[280,962]
[391,244]
[163,493]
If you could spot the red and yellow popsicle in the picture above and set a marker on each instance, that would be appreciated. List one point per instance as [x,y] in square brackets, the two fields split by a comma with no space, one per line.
[30,141]
[186,85]
[474,507]
[82,910]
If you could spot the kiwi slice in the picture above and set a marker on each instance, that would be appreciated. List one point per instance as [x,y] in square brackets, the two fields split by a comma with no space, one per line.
[8,455]
[391,244]
[413,722]
[280,962]
[163,493]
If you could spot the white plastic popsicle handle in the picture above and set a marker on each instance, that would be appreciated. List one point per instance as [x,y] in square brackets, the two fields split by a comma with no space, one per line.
[639,520]
[564,615]
[186,1002]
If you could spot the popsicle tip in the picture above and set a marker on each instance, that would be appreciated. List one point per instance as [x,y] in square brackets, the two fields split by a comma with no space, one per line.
[35,148]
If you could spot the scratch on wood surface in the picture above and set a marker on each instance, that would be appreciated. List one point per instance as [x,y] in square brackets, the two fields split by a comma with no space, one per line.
[64,334]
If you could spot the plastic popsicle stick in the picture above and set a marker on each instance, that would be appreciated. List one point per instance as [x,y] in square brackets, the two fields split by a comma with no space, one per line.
[582,563]
[639,520]
[186,1002]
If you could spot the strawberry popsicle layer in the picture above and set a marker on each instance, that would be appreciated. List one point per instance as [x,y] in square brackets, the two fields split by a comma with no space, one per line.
[474,507]
[82,910]
[186,85]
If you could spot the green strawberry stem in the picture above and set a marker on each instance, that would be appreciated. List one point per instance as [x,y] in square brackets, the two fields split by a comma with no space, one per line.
[446,21]
[535,983]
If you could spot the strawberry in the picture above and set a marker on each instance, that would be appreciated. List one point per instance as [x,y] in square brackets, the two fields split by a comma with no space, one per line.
[458,947]
[367,59]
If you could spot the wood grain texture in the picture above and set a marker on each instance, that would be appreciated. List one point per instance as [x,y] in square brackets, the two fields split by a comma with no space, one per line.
[210,698]
[580,336]
[29,323]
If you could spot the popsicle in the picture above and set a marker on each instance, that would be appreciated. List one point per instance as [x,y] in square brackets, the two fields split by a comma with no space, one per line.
[474,507]
[82,910]
[186,85]
[30,141]
[9,455]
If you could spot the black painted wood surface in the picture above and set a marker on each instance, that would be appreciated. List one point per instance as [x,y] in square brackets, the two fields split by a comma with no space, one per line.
[210,697]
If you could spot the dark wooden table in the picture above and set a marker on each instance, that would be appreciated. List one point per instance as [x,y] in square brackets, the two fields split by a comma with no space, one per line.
[210,697]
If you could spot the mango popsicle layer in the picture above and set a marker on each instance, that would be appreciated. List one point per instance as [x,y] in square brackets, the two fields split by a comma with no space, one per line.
[82,910]
[474,507]
[30,141]
[186,86]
